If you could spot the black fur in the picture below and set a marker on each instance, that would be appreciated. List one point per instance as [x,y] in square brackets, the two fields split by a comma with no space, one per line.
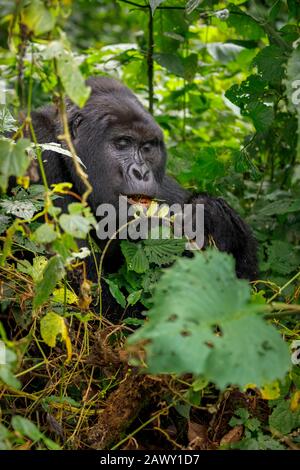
[135,167]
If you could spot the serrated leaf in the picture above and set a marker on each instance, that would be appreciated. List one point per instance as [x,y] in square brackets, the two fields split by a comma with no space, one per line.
[134,254]
[202,322]
[53,325]
[14,159]
[283,419]
[53,272]
[26,428]
[163,251]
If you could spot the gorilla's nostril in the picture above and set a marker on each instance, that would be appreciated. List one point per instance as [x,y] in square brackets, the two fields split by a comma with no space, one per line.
[137,174]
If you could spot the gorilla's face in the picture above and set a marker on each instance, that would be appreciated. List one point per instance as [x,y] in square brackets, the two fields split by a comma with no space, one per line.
[120,144]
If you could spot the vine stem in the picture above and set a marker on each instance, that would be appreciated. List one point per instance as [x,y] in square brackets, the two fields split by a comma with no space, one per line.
[150,62]
[284,287]
[66,136]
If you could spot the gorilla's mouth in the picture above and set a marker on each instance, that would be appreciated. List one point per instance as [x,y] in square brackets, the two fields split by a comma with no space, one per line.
[142,199]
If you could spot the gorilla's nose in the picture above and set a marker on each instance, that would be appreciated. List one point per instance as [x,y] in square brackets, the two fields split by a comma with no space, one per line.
[140,173]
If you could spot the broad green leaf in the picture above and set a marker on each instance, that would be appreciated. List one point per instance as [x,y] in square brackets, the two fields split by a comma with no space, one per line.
[261,115]
[116,292]
[202,322]
[173,63]
[269,62]
[245,25]
[14,159]
[76,225]
[72,80]
[21,209]
[135,256]
[38,18]
[26,428]
[45,234]
[283,419]
[53,325]
[53,272]
[69,72]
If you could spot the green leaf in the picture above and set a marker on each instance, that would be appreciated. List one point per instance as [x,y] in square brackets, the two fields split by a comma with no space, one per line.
[261,115]
[21,209]
[26,428]
[76,225]
[245,25]
[283,419]
[69,72]
[269,62]
[14,159]
[282,257]
[53,325]
[45,234]
[172,62]
[38,18]
[134,297]
[135,256]
[8,377]
[53,272]
[116,292]
[34,270]
[202,322]
[163,251]
[72,80]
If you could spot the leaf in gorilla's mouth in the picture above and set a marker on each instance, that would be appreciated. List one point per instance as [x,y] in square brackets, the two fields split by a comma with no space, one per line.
[139,199]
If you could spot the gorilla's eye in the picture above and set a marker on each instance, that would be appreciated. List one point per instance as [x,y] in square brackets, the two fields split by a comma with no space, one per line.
[122,143]
[147,147]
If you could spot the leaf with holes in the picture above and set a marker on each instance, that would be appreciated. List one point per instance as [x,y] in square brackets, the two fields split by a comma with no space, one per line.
[202,322]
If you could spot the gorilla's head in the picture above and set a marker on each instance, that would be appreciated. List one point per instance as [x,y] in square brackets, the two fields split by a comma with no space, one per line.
[118,141]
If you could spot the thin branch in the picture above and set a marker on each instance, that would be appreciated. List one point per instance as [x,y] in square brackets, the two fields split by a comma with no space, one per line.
[150,61]
[67,138]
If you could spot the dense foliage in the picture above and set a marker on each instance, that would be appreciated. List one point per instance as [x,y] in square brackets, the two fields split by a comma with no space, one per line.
[216,360]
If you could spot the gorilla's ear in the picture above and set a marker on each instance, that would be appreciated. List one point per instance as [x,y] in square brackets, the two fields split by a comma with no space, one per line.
[74,124]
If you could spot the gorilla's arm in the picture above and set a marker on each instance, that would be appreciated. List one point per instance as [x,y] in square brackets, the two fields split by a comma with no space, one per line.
[222,226]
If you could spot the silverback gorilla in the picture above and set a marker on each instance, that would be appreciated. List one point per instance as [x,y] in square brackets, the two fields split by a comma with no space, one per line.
[123,150]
